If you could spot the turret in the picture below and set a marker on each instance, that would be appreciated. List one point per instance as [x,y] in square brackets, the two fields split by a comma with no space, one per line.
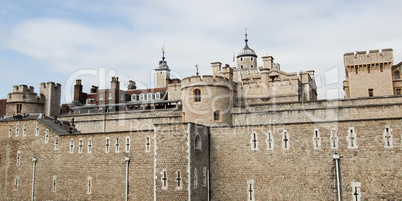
[162,73]
[246,58]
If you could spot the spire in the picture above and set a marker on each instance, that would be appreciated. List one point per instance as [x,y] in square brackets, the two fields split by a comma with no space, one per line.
[246,51]
[163,64]
[246,40]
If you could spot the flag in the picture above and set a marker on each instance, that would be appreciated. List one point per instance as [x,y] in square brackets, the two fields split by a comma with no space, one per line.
[233,56]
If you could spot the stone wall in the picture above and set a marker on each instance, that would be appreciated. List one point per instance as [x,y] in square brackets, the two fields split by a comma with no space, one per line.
[302,171]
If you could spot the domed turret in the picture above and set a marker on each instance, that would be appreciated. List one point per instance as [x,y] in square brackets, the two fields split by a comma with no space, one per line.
[162,72]
[246,58]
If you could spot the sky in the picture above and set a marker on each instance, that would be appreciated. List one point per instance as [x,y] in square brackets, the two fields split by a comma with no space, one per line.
[61,41]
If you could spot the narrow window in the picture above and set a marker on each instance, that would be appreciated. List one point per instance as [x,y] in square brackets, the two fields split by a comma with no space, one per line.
[24,130]
[150,96]
[241,59]
[117,146]
[18,158]
[381,68]
[10,131]
[56,143]
[80,144]
[387,136]
[54,183]
[107,146]
[158,95]
[179,180]
[356,193]
[334,139]
[397,75]
[316,139]
[110,95]
[89,191]
[89,145]
[164,180]
[251,58]
[37,129]
[204,176]
[148,144]
[357,70]
[270,141]
[216,115]
[241,66]
[47,136]
[250,190]
[368,68]
[252,66]
[285,140]
[197,95]
[197,143]
[71,146]
[16,183]
[19,108]
[195,178]
[370,92]
[17,130]
[127,144]
[398,91]
[352,141]
[100,96]
[254,141]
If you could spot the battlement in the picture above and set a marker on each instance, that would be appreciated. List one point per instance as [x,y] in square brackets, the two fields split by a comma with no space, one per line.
[22,89]
[373,56]
[52,85]
[205,80]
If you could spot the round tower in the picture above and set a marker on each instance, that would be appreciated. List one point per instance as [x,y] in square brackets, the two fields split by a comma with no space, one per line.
[23,100]
[246,58]
[207,100]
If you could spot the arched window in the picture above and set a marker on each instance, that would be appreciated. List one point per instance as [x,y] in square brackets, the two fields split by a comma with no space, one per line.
[217,115]
[197,95]
[397,75]
[197,143]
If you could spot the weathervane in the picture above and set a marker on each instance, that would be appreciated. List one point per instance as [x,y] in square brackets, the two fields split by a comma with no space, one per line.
[196,66]
[163,53]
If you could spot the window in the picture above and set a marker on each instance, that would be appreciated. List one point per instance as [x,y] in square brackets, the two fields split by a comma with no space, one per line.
[241,59]
[397,75]
[285,140]
[19,108]
[251,58]
[37,129]
[47,136]
[334,139]
[195,178]
[357,70]
[89,101]
[381,68]
[179,180]
[100,96]
[316,139]
[10,131]
[254,141]
[117,146]
[17,130]
[89,191]
[370,92]
[141,96]
[368,68]
[127,144]
[252,66]
[54,183]
[157,95]
[216,115]
[352,141]
[89,145]
[150,96]
[250,190]
[398,91]
[147,144]
[80,144]
[71,146]
[270,141]
[197,143]
[110,95]
[241,66]
[122,97]
[107,146]
[164,180]
[356,191]
[387,136]
[56,143]
[24,130]
[18,158]
[133,97]
[16,183]
[204,174]
[197,95]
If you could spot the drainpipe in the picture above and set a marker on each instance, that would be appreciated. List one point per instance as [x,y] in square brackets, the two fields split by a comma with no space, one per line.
[338,181]
[33,178]
[127,161]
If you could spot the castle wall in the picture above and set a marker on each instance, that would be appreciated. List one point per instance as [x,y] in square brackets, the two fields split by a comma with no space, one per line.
[88,123]
[72,170]
[318,111]
[301,171]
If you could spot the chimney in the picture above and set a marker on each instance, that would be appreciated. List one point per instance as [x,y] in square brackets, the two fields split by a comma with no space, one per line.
[131,85]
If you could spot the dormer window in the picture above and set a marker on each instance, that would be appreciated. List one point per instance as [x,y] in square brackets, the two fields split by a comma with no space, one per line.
[89,101]
[157,95]
[134,97]
[142,97]
[151,96]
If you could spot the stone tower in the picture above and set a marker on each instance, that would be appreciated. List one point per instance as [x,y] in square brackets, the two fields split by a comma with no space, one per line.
[162,73]
[246,58]
[52,94]
[208,100]
[368,74]
[23,100]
